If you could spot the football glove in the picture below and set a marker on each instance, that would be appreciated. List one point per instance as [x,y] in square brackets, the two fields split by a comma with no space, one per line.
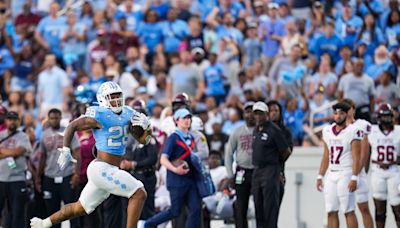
[140,119]
[65,157]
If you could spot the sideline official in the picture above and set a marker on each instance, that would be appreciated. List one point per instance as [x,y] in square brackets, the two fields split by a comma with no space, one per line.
[15,147]
[269,147]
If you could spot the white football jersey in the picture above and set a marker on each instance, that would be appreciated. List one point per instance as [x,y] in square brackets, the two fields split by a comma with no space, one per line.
[385,146]
[339,145]
[363,125]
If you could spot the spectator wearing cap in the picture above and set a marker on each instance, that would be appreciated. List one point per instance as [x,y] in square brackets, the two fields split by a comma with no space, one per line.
[185,78]
[240,143]
[348,25]
[174,31]
[215,79]
[199,59]
[259,11]
[269,147]
[73,40]
[49,30]
[53,87]
[360,88]
[180,180]
[15,148]
[328,43]
[252,46]
[270,33]
[121,39]
[382,62]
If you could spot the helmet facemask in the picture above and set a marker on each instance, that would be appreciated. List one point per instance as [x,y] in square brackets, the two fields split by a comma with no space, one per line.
[115,102]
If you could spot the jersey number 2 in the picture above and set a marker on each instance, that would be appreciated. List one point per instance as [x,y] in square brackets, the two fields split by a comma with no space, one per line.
[339,150]
[117,132]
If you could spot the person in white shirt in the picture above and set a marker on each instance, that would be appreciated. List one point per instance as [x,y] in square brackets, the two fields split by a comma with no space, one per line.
[362,185]
[341,164]
[385,173]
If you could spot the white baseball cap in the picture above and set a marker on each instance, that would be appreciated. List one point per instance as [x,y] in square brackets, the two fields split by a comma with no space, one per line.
[260,106]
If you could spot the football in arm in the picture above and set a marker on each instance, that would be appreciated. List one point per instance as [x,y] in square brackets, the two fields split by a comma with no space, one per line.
[141,135]
[178,163]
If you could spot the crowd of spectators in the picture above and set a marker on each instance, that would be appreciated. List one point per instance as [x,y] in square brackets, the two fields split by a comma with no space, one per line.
[305,54]
[222,53]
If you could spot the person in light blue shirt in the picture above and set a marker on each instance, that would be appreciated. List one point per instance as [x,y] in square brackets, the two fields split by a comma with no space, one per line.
[271,32]
[6,60]
[383,18]
[174,31]
[226,29]
[234,120]
[293,117]
[49,30]
[348,25]
[73,41]
[162,8]
[232,7]
[53,86]
[375,7]
[203,8]
[392,30]
[133,18]
[370,34]
[329,43]
[214,78]
[150,31]
[252,46]
[382,63]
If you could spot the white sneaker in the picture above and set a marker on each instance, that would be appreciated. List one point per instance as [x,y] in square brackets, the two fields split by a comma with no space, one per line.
[39,223]
[141,223]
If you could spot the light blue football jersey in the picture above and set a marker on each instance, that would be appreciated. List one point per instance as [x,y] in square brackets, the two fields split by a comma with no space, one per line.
[113,136]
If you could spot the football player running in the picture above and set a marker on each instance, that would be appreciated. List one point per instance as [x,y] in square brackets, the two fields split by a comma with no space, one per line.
[362,185]
[385,174]
[111,122]
[341,164]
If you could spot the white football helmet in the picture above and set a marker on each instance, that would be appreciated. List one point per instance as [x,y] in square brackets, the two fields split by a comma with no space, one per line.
[104,96]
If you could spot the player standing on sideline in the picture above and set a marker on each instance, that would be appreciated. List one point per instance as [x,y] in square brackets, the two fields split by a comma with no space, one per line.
[362,185]
[385,174]
[110,123]
[341,164]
